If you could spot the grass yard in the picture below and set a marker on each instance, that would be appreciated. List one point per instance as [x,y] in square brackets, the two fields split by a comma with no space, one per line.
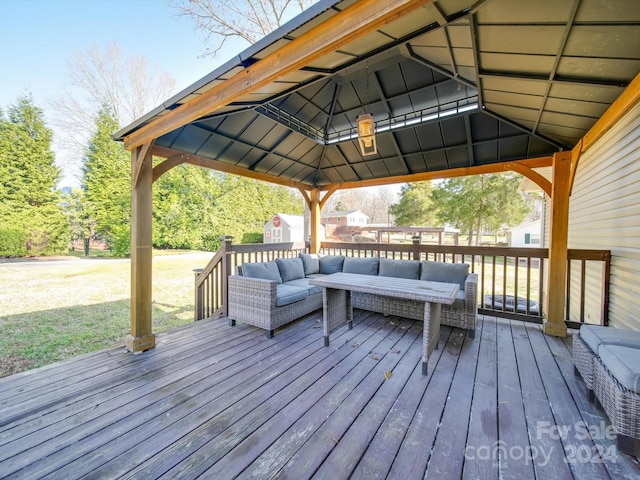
[53,310]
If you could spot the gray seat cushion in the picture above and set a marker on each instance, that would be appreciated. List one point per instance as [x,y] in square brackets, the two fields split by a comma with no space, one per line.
[286,294]
[445,272]
[264,270]
[331,264]
[623,363]
[596,335]
[399,268]
[317,275]
[290,268]
[363,266]
[304,283]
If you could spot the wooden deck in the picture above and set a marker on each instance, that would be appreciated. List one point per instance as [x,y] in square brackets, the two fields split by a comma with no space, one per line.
[224,402]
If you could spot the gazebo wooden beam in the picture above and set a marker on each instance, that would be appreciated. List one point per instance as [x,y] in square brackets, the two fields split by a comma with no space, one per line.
[141,336]
[353,23]
[554,323]
[521,166]
[175,158]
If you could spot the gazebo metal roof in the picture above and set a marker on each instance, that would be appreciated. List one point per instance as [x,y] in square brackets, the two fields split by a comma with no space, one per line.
[454,84]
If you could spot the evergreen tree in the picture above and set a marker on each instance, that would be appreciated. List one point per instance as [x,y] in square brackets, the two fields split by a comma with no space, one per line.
[244,205]
[81,224]
[107,184]
[30,210]
[193,207]
[477,202]
[183,207]
[414,207]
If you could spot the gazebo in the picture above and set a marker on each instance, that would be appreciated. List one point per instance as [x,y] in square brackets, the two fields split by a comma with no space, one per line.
[373,92]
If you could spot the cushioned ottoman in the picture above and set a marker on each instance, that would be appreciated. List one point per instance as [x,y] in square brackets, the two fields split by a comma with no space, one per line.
[617,387]
[587,343]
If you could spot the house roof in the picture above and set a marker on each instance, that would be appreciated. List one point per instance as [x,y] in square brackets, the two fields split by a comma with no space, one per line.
[343,213]
[291,220]
[450,83]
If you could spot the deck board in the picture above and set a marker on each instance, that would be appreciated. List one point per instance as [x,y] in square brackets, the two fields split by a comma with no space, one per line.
[215,401]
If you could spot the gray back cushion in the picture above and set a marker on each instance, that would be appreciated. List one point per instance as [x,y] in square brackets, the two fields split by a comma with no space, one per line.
[266,270]
[399,268]
[290,268]
[364,266]
[445,272]
[310,263]
[331,264]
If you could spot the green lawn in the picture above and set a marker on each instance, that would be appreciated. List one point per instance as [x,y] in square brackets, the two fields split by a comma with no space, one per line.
[53,310]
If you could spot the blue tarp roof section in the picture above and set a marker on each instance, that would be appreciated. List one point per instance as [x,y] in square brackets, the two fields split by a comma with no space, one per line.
[456,83]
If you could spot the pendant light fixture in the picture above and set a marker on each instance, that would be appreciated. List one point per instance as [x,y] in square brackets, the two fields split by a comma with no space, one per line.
[366,126]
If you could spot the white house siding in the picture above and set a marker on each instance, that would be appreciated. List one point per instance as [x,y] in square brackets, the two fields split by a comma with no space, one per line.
[604,213]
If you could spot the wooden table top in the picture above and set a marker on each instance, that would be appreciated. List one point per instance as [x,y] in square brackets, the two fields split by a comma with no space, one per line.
[421,290]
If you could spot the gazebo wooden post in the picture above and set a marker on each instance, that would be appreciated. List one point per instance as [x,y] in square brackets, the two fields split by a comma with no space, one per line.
[141,338]
[316,227]
[554,323]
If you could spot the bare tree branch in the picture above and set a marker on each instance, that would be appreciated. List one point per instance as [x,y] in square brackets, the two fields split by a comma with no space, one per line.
[249,20]
[98,77]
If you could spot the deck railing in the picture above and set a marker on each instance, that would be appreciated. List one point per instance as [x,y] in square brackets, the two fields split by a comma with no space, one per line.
[511,280]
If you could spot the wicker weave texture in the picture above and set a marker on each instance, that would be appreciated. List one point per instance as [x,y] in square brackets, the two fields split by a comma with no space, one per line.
[466,317]
[622,405]
[253,301]
[583,358]
[336,310]
[431,332]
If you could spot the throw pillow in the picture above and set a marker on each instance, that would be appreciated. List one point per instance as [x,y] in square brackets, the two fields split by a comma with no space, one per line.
[331,264]
[290,268]
[445,272]
[266,270]
[310,263]
[363,266]
[399,268]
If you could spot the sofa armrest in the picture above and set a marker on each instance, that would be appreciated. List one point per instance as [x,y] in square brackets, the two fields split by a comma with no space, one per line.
[252,292]
[471,292]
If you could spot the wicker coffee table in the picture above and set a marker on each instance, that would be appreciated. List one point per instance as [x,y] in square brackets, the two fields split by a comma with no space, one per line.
[337,310]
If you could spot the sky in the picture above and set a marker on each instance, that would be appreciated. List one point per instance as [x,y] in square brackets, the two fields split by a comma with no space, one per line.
[39,37]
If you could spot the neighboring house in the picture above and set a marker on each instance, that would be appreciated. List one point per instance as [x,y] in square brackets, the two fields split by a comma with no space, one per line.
[527,234]
[350,218]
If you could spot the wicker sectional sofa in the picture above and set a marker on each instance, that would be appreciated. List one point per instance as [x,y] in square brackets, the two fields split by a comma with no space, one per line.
[269,295]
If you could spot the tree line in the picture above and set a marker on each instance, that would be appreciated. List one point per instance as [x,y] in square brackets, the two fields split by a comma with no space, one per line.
[192,207]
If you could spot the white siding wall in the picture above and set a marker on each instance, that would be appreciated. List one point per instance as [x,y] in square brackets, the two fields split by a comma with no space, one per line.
[604,213]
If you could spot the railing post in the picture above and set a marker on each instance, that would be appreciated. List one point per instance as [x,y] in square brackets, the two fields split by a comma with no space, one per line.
[606,276]
[416,246]
[198,310]
[225,245]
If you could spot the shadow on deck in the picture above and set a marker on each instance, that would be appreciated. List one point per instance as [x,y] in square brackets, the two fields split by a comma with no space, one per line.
[223,402]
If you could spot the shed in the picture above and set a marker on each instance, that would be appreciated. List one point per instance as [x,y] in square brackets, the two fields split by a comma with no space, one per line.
[284,228]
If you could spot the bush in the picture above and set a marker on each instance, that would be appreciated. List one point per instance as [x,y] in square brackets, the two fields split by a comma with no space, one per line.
[252,237]
[13,242]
